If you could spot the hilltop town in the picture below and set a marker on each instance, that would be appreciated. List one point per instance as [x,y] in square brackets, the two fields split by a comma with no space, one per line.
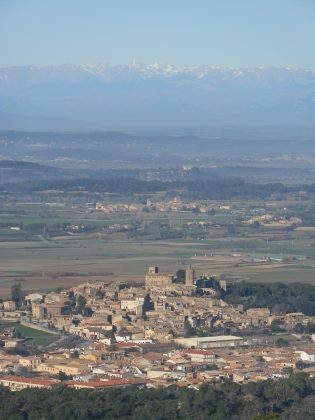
[173,329]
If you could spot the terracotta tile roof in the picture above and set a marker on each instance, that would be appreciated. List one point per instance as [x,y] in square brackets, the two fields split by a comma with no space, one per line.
[126,344]
[109,383]
[8,357]
[308,351]
[153,356]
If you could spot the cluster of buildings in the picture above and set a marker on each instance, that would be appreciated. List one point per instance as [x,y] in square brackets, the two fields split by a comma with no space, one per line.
[263,216]
[153,335]
[119,207]
[271,220]
[175,205]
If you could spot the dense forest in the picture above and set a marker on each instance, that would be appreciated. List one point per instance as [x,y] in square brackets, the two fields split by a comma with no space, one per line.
[292,398]
[278,297]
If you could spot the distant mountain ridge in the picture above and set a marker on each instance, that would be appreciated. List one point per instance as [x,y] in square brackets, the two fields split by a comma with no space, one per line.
[102,96]
[107,72]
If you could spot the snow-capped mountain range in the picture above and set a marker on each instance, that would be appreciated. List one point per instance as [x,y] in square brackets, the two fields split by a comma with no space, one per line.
[137,95]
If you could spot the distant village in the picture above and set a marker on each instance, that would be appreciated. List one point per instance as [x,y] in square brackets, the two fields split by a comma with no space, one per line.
[199,219]
[173,329]
[252,216]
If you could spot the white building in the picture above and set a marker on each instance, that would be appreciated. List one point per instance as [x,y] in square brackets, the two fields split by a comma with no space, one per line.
[307,355]
[210,342]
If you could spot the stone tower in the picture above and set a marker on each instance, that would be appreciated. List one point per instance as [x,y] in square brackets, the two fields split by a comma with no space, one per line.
[189,276]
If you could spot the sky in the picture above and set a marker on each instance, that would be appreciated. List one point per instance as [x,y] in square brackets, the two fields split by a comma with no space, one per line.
[227,33]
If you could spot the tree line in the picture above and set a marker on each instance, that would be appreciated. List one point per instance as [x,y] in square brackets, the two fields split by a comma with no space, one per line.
[278,297]
[216,188]
[292,398]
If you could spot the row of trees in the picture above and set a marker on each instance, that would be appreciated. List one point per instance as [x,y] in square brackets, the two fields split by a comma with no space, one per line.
[292,398]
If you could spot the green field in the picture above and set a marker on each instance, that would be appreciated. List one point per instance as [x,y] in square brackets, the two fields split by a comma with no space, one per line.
[33,337]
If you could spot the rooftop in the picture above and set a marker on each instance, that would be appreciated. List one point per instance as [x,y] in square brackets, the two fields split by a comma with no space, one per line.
[31,381]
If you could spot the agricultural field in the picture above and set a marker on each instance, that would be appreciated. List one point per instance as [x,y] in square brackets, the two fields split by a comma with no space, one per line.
[43,260]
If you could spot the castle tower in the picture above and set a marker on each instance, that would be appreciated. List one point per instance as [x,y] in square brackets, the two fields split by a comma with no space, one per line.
[156,279]
[189,276]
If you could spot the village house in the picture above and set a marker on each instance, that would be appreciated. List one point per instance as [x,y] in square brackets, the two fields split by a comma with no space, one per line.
[200,356]
[30,362]
[9,305]
[69,367]
[307,355]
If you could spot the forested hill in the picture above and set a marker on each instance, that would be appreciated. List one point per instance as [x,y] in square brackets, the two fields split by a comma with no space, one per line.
[287,399]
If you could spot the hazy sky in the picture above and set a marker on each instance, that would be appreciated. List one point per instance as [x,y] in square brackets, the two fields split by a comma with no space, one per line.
[239,33]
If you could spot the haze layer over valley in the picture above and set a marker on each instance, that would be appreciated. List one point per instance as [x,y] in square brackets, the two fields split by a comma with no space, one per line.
[98,97]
